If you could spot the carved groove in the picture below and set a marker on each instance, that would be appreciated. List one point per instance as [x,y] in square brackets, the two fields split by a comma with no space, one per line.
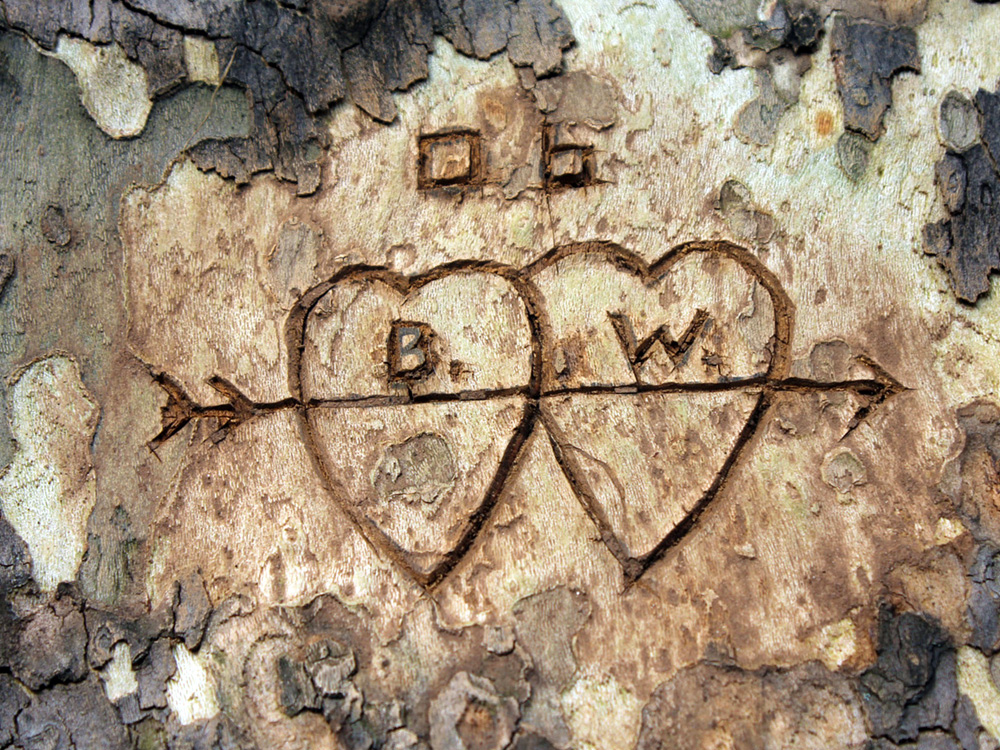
[180,410]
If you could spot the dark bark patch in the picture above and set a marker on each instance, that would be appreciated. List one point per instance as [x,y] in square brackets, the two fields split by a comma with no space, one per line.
[158,49]
[967,244]
[7,266]
[191,611]
[43,22]
[912,685]
[107,629]
[55,226]
[51,644]
[909,695]
[15,561]
[866,56]
[988,105]
[297,59]
[217,733]
[951,179]
[13,699]
[152,674]
[74,717]
[867,53]
[983,612]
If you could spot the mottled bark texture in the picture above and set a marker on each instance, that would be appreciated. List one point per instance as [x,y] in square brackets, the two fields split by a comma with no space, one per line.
[491,374]
[297,60]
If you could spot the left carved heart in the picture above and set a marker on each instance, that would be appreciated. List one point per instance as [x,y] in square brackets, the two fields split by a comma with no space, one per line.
[414,409]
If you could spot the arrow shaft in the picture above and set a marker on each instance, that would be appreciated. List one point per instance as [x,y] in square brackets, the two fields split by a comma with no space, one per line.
[182,411]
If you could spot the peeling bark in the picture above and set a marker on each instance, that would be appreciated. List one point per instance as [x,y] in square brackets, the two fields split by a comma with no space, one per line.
[580,386]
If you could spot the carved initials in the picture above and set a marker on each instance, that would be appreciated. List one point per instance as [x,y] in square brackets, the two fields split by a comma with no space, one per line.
[409,350]
[637,352]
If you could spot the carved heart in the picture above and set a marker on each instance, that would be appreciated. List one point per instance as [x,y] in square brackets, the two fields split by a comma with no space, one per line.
[415,409]
[654,379]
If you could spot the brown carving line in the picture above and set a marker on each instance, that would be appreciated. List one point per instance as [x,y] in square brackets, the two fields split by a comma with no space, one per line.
[180,409]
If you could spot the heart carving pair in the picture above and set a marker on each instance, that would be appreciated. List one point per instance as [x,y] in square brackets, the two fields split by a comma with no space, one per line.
[419,393]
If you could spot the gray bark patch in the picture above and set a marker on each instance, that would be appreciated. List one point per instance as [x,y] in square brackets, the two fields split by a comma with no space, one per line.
[967,244]
[51,644]
[297,60]
[866,56]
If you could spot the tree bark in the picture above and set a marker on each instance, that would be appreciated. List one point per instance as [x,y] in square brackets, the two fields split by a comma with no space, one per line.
[499,374]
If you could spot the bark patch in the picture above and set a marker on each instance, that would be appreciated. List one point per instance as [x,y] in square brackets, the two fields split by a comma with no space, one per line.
[297,60]
[967,243]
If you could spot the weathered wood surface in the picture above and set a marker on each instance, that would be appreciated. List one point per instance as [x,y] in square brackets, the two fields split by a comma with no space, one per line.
[631,381]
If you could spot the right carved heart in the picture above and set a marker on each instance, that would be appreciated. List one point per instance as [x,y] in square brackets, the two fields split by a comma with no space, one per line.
[654,379]
[418,393]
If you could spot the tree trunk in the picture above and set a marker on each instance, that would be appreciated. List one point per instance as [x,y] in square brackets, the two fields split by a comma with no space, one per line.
[508,374]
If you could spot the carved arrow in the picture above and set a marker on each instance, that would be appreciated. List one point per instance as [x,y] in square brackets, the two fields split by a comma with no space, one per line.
[875,390]
[238,409]
[181,408]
